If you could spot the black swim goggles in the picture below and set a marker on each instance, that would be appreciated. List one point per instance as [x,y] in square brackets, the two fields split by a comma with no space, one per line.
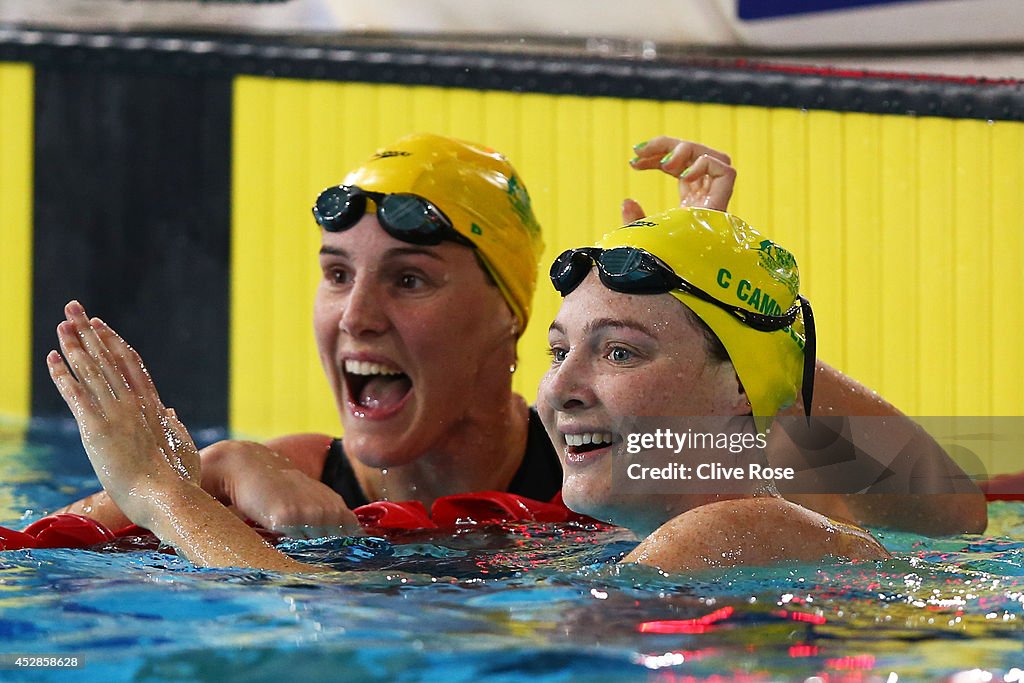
[635,271]
[406,217]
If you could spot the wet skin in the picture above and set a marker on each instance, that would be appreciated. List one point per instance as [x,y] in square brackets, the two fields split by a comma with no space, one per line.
[617,355]
[416,344]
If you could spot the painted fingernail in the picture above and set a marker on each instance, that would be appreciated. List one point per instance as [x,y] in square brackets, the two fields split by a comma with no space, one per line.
[686,172]
[52,357]
[665,158]
[633,161]
[639,146]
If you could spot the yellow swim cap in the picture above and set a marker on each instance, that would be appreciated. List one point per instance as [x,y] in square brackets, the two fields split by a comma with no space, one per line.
[480,192]
[737,265]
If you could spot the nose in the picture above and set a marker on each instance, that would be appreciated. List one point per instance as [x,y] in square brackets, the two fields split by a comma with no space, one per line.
[364,312]
[566,387]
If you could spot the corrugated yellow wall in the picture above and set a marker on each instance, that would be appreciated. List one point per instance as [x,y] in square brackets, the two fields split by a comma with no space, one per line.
[908,229]
[15,238]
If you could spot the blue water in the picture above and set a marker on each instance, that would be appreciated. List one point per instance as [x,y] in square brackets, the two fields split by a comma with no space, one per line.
[508,603]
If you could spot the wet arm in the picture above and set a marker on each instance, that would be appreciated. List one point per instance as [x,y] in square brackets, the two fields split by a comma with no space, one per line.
[276,484]
[204,531]
[945,501]
[142,454]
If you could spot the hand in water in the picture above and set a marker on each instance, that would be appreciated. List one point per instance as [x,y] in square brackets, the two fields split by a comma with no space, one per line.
[706,176]
[132,440]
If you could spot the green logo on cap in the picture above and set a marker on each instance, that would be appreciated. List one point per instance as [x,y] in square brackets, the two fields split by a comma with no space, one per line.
[519,198]
[780,265]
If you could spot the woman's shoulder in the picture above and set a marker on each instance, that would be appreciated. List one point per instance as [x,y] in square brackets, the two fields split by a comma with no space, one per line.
[752,531]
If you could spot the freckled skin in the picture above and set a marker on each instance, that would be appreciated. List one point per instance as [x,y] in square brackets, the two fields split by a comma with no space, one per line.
[752,531]
[617,355]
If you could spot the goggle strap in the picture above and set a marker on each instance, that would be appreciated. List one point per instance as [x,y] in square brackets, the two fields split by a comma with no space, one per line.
[810,357]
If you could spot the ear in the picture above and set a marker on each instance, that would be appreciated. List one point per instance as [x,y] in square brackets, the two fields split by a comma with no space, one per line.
[738,403]
[742,397]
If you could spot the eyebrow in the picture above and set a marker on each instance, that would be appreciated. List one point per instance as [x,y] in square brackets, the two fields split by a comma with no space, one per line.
[394,252]
[598,324]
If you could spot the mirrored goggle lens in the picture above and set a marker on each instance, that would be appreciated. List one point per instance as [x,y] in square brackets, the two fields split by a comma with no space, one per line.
[338,208]
[635,271]
[569,269]
[410,216]
[621,262]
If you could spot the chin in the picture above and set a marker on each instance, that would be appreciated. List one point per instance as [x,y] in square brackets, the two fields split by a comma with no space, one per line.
[379,452]
[586,497]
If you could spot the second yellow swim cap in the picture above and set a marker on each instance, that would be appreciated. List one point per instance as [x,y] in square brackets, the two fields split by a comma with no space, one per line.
[480,192]
[734,263]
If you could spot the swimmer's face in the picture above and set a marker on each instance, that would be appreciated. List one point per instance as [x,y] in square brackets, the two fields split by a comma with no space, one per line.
[616,356]
[412,339]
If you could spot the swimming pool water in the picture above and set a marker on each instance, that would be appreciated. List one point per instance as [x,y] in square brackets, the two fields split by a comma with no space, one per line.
[503,603]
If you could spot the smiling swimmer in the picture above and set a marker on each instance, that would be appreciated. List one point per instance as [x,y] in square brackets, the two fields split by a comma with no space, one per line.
[661,318]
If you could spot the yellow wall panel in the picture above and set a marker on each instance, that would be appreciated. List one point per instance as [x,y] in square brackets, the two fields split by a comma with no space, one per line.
[786,172]
[1007,248]
[465,115]
[907,230]
[898,336]
[859,244]
[429,112]
[935,194]
[752,151]
[16,99]
[822,266]
[537,160]
[970,286]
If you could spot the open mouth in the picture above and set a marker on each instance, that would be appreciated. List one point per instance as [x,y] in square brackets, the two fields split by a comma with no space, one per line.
[578,446]
[374,389]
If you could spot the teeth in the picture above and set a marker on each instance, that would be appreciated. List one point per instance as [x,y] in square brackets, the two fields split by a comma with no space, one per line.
[588,438]
[361,367]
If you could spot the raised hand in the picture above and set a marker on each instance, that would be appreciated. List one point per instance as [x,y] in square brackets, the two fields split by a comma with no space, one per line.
[142,454]
[706,176]
[131,438]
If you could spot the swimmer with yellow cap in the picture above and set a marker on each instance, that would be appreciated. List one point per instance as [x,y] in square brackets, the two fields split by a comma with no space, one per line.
[444,232]
[744,287]
[429,254]
[479,192]
[938,498]
[428,262]
[635,336]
